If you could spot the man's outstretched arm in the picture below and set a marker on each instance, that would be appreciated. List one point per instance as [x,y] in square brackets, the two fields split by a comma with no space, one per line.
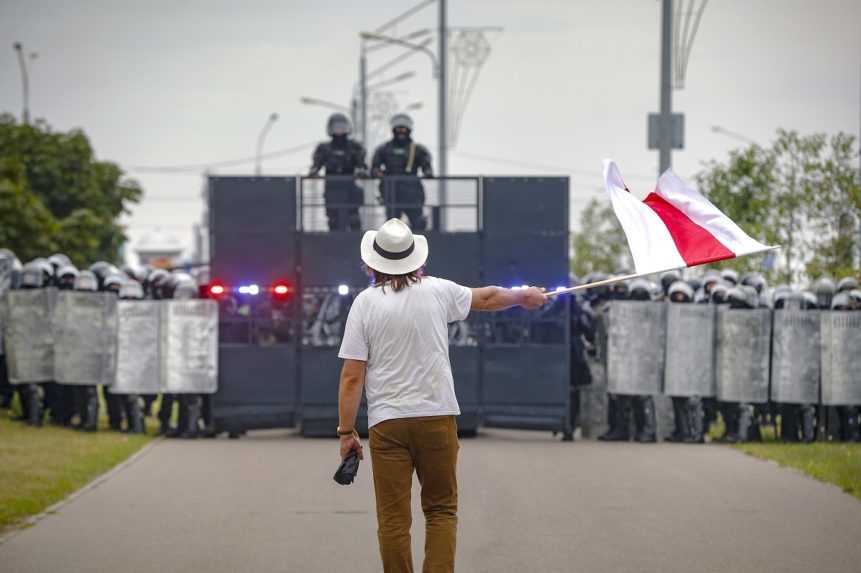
[497,298]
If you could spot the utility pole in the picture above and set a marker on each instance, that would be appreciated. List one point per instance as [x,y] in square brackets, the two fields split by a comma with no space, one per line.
[363,89]
[258,170]
[25,82]
[443,88]
[665,130]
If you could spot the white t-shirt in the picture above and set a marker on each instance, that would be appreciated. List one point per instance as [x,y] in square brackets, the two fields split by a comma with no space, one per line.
[403,336]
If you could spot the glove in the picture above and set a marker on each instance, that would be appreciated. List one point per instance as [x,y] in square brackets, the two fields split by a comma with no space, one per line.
[348,469]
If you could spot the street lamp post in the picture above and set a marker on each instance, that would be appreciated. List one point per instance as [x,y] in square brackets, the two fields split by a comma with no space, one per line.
[25,80]
[273,117]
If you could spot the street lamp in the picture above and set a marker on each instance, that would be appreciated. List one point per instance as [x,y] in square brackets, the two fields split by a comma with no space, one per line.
[25,79]
[273,117]
[324,103]
[732,134]
[414,106]
[385,83]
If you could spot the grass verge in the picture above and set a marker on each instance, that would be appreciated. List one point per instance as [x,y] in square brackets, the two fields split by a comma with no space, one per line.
[835,463]
[41,466]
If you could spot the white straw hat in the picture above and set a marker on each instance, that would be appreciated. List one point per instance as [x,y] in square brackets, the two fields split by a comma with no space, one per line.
[394,250]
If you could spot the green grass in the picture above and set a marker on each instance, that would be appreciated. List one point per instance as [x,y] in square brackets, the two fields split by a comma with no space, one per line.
[831,462]
[41,466]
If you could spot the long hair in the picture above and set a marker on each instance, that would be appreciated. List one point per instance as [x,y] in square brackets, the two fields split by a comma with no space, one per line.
[396,282]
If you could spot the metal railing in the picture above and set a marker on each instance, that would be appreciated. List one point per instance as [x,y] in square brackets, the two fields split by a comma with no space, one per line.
[344,203]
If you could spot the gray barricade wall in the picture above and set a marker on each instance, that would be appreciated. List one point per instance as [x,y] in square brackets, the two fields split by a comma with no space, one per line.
[189,346]
[689,369]
[85,337]
[635,347]
[743,353]
[138,356]
[29,335]
[795,349]
[841,358]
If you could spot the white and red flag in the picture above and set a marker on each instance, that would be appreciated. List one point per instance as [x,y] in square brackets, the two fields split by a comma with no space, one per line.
[674,226]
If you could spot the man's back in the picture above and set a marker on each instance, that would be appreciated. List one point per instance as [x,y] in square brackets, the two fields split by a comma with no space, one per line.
[403,336]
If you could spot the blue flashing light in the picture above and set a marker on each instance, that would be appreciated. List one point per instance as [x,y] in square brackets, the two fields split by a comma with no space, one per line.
[343,290]
[251,289]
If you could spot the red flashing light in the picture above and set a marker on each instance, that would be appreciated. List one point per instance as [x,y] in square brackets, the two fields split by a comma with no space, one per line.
[216,290]
[281,290]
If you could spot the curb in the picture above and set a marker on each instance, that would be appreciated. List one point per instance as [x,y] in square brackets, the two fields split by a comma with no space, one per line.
[99,480]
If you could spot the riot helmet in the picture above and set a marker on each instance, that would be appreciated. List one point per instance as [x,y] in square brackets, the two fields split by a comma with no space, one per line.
[66,276]
[338,125]
[184,287]
[667,280]
[719,293]
[695,283]
[810,302]
[87,281]
[102,269]
[701,297]
[680,291]
[846,284]
[131,290]
[855,297]
[743,296]
[113,283]
[33,276]
[824,290]
[730,276]
[779,296]
[402,126]
[710,279]
[641,289]
[755,280]
[58,260]
[155,283]
[841,301]
[619,290]
[597,293]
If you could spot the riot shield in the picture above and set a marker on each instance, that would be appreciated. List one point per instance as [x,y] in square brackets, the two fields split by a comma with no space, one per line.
[29,336]
[189,347]
[795,357]
[637,337]
[84,337]
[690,350]
[743,352]
[841,358]
[138,368]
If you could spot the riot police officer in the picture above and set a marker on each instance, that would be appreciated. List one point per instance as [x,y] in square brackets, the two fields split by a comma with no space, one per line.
[643,406]
[848,417]
[131,403]
[341,158]
[741,419]
[36,274]
[688,416]
[9,269]
[729,276]
[398,162]
[87,396]
[824,289]
[60,398]
[112,283]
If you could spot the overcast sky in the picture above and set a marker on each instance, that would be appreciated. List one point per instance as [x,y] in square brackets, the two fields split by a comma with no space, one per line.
[568,82]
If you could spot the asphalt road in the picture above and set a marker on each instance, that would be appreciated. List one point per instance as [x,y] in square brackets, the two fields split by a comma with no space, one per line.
[529,503]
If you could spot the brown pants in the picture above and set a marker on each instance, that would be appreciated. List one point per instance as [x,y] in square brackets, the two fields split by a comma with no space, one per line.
[429,446]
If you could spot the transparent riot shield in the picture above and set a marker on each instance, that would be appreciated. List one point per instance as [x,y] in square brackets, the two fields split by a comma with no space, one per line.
[743,353]
[690,350]
[84,337]
[29,336]
[637,335]
[138,358]
[189,346]
[795,357]
[841,358]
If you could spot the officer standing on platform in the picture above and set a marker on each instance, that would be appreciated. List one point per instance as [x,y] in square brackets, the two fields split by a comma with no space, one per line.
[402,157]
[341,158]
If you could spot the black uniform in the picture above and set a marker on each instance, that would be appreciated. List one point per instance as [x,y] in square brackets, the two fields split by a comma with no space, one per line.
[402,158]
[341,158]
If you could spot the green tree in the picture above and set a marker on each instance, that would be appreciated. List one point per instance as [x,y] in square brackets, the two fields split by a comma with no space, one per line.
[599,245]
[801,193]
[83,197]
[26,225]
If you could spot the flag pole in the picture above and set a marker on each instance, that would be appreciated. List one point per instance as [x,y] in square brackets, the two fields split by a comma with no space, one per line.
[621,278]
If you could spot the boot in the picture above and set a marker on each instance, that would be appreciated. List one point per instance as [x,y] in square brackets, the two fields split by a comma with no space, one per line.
[851,430]
[134,415]
[35,408]
[695,416]
[788,422]
[616,415]
[745,422]
[192,406]
[647,431]
[91,414]
[113,403]
[680,421]
[808,423]
[729,412]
